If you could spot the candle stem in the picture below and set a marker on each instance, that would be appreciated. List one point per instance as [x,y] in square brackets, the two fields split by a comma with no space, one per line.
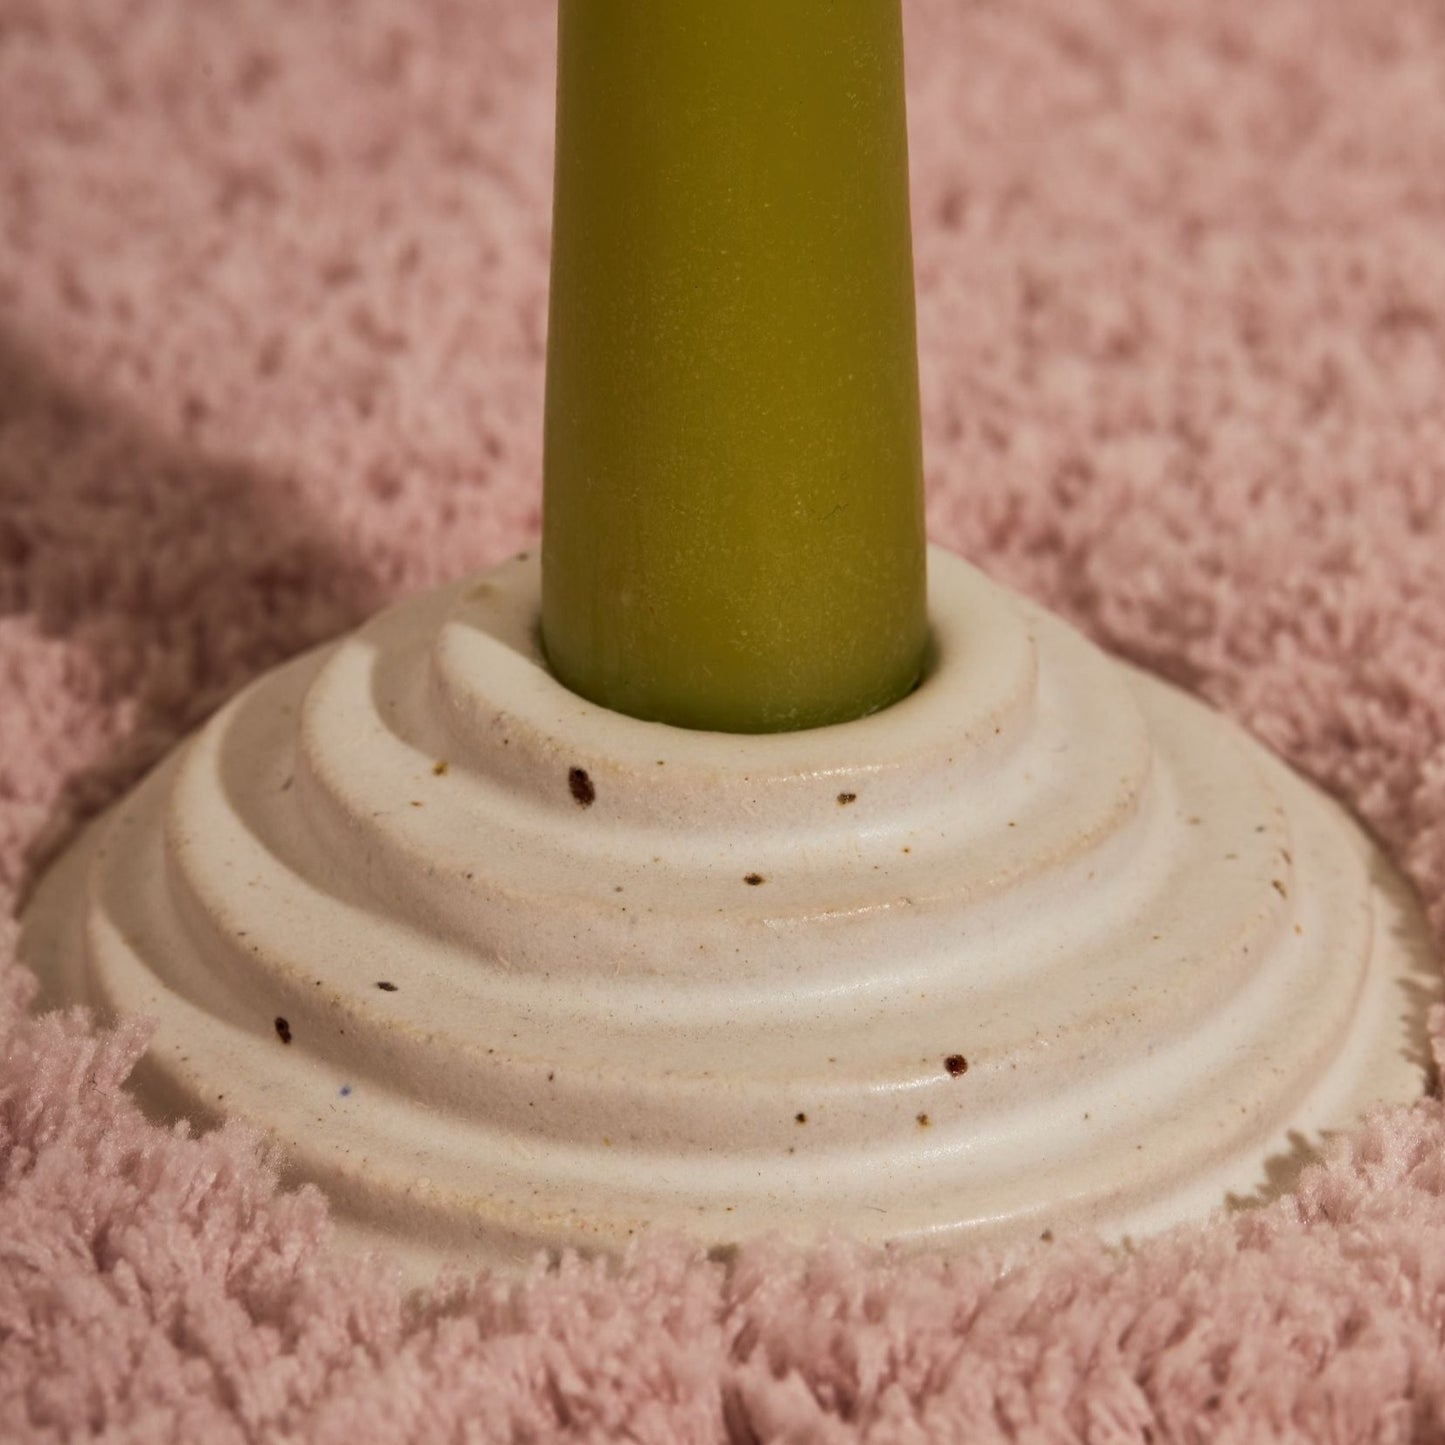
[733,508]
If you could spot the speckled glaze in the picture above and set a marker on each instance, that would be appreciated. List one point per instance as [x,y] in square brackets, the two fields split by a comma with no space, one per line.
[1048,944]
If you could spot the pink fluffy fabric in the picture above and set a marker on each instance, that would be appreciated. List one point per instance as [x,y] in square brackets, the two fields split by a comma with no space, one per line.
[272,314]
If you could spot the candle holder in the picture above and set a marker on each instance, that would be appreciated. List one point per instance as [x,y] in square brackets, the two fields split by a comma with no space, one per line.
[1046,945]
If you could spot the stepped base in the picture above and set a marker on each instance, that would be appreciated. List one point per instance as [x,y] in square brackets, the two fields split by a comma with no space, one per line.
[1046,945]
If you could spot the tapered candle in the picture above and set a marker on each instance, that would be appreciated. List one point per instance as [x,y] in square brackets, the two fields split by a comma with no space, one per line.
[733,504]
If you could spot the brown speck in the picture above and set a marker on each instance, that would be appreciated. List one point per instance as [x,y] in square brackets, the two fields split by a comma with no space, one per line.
[581,787]
[801,1118]
[607,1143]
[924,1121]
[440,767]
[1047,1236]
[283,1030]
[551,1076]
[416,804]
[845,798]
[1280,888]
[1299,929]
[386,985]
[956,1065]
[286,786]
[908,850]
[753,879]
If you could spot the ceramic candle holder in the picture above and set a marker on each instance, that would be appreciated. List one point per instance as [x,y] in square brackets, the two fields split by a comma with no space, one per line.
[1046,945]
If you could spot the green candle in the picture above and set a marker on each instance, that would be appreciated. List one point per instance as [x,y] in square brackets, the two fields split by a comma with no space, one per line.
[733,515]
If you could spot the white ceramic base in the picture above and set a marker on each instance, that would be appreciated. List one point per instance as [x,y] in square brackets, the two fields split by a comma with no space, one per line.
[1047,944]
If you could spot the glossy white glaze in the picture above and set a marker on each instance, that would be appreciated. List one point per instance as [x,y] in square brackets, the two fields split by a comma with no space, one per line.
[642,976]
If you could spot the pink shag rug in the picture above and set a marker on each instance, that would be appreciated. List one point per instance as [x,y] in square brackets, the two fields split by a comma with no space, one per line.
[272,308]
